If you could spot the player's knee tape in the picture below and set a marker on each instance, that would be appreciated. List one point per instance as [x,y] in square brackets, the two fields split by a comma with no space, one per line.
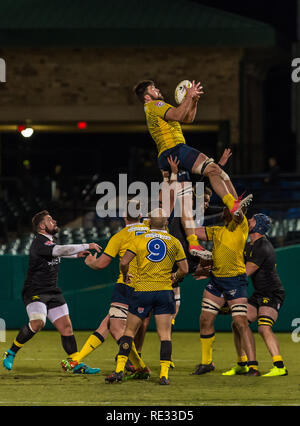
[224,176]
[177,300]
[118,312]
[202,166]
[265,320]
[38,316]
[239,309]
[210,306]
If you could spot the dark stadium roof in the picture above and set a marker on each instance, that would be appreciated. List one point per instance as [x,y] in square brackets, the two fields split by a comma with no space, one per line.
[126,22]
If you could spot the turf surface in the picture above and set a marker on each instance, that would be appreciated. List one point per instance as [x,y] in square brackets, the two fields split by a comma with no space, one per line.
[37,378]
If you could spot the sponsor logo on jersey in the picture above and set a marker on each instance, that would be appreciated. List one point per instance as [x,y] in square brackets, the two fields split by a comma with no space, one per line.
[49,243]
[159,104]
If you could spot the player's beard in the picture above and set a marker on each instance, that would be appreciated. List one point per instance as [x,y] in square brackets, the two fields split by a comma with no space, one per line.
[53,231]
[158,98]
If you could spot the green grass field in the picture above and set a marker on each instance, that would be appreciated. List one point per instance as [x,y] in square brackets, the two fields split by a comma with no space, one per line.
[38,380]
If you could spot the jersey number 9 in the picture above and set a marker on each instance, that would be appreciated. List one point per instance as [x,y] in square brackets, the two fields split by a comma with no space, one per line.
[157,250]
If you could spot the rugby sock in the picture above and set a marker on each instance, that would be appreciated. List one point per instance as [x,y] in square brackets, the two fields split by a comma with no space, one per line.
[253,364]
[242,360]
[165,358]
[92,343]
[278,361]
[192,240]
[207,347]
[26,333]
[69,345]
[228,200]
[124,351]
[135,358]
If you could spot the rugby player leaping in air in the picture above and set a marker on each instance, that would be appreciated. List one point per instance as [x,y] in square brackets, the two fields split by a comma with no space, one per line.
[164,124]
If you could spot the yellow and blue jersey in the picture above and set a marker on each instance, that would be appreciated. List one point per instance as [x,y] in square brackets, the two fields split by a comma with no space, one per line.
[166,134]
[228,248]
[119,243]
[156,252]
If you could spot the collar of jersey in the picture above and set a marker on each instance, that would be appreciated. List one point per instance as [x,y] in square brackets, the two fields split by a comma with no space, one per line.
[47,236]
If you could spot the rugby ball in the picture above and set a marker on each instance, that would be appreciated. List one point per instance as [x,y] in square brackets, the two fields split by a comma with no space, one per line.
[180,91]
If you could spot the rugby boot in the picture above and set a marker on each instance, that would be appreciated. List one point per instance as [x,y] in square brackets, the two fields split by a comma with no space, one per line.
[199,251]
[240,203]
[237,369]
[164,381]
[275,371]
[252,372]
[140,374]
[8,359]
[114,377]
[78,368]
[203,368]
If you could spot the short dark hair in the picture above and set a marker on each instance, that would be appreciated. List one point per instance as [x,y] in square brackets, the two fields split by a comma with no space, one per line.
[141,88]
[37,219]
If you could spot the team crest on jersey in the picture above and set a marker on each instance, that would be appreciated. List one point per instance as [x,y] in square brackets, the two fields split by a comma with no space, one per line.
[140,310]
[266,300]
[159,103]
[49,243]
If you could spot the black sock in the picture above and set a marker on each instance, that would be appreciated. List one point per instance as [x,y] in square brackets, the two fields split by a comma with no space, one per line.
[125,345]
[69,344]
[24,335]
[99,336]
[165,350]
[279,364]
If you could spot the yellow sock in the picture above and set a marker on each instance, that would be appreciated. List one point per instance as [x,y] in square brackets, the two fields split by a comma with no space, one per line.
[121,361]
[90,345]
[164,369]
[192,240]
[207,347]
[277,358]
[135,359]
[228,200]
[173,321]
[242,359]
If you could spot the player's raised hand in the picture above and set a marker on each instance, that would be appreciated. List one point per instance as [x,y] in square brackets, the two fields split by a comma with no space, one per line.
[95,246]
[173,164]
[225,157]
[195,91]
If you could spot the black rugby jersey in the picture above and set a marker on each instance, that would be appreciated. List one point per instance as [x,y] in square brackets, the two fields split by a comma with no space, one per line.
[42,271]
[262,254]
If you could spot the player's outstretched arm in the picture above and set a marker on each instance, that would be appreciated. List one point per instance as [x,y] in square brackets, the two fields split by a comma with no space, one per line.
[71,249]
[98,263]
[188,105]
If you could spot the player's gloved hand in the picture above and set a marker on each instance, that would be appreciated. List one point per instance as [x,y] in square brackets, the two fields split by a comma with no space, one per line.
[95,246]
